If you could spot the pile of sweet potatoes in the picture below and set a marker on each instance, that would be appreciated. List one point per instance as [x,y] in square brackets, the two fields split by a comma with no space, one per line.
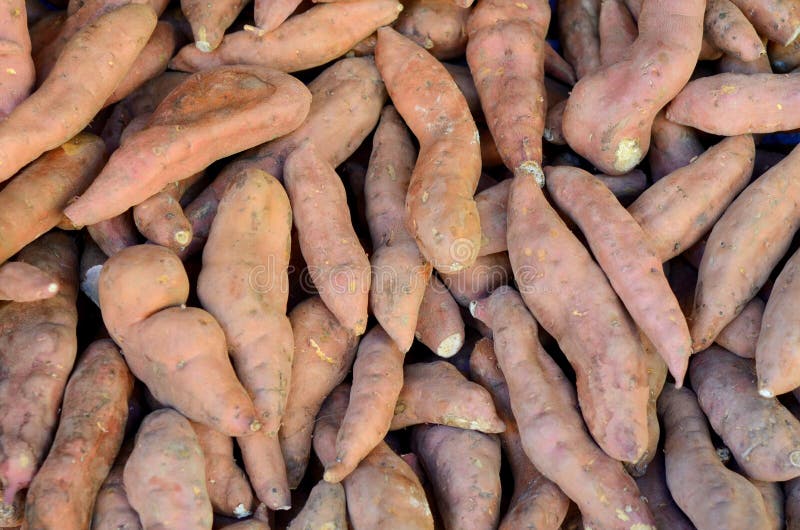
[401,264]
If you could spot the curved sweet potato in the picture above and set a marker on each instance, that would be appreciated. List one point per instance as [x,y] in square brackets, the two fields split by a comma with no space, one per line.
[598,121]
[209,20]
[440,326]
[439,26]
[727,28]
[209,116]
[448,167]
[89,436]
[653,487]
[17,73]
[578,28]
[777,20]
[325,508]
[112,511]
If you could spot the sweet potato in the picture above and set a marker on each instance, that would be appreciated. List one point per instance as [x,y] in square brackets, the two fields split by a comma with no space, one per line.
[762,435]
[628,259]
[44,30]
[399,273]
[323,354]
[112,511]
[679,209]
[89,436]
[249,524]
[505,53]
[440,326]
[165,476]
[601,344]
[484,276]
[464,469]
[578,28]
[310,39]
[728,29]
[439,26]
[463,78]
[597,121]
[744,246]
[731,64]
[81,80]
[437,393]
[553,130]
[207,117]
[791,490]
[33,384]
[557,67]
[325,508]
[617,30]
[161,218]
[711,495]
[338,265]
[536,501]
[23,282]
[778,20]
[653,487]
[269,14]
[625,187]
[784,59]
[115,234]
[772,494]
[672,147]
[349,93]
[143,292]
[741,335]
[18,73]
[552,432]
[209,20]
[448,166]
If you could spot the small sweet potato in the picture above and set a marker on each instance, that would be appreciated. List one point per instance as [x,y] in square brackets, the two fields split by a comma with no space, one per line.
[578,22]
[728,29]
[164,476]
[17,73]
[23,282]
[89,436]
[112,511]
[324,509]
[209,20]
[161,218]
[711,495]
[672,146]
[448,166]
[653,487]
[481,278]
[617,30]
[440,326]
[778,20]
[439,26]
[269,14]
[763,436]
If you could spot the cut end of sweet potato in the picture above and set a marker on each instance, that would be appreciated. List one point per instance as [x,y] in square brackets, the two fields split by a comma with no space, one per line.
[534,169]
[766,392]
[183,237]
[450,346]
[203,46]
[241,511]
[628,155]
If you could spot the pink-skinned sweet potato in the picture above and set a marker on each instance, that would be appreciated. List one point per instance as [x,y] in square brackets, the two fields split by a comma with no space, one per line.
[672,146]
[23,282]
[728,29]
[778,20]
[325,508]
[439,26]
[578,28]
[653,487]
[112,510]
[440,326]
[209,20]
[17,73]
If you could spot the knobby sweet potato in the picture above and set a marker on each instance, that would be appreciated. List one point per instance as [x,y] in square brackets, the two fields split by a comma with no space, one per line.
[33,383]
[209,116]
[578,22]
[209,20]
[439,26]
[23,282]
[112,510]
[448,167]
[653,487]
[17,73]
[143,291]
[598,121]
[324,509]
[617,30]
[440,326]
[269,14]
[164,476]
[778,20]
[161,218]
[569,295]
[728,29]
[89,436]
[672,146]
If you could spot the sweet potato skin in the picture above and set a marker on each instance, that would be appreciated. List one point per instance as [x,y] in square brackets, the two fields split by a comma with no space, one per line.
[448,167]
[741,335]
[23,282]
[775,19]
[484,276]
[726,27]
[672,146]
[209,20]
[165,474]
[578,28]
[440,326]
[161,218]
[439,26]
[112,511]
[87,441]
[269,14]
[18,73]
[325,508]
[653,487]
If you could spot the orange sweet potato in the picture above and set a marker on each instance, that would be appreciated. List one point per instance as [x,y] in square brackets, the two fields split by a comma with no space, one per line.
[17,73]
[89,436]
[728,29]
[617,30]
[112,511]
[323,354]
[553,435]
[505,53]
[484,276]
[629,261]
[32,203]
[399,273]
[325,508]
[440,326]
[778,20]
[161,218]
[143,291]
[448,166]
[207,117]
[597,121]
[762,435]
[565,290]
[537,502]
[672,146]
[653,487]
[269,14]
[578,27]
[33,384]
[23,282]
[310,39]
[439,26]
[164,476]
[711,495]
[209,20]
[338,265]
[80,82]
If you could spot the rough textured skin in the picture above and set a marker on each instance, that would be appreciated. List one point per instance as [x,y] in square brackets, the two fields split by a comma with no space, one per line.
[269,14]
[733,65]
[165,475]
[578,28]
[309,39]
[89,436]
[772,493]
[31,385]
[143,291]
[777,364]
[653,487]
[609,125]
[440,208]
[628,259]
[439,26]
[337,263]
[784,59]
[112,511]
[399,272]
[209,116]
[161,219]
[377,384]
[492,203]
[745,245]
[537,502]
[727,28]
[383,491]
[323,354]
[552,432]
[506,53]
[23,282]
[672,146]
[440,326]
[84,76]
[570,297]
[762,435]
[437,393]
[741,335]
[115,234]
[349,93]
[228,489]
[679,209]
[209,20]
[464,469]
[617,30]
[17,73]
[711,495]
[778,20]
[484,276]
[325,509]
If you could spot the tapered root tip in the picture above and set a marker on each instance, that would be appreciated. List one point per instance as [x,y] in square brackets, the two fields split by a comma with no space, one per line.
[628,155]
[766,392]
[533,169]
[334,473]
[473,308]
[450,346]
[52,288]
[183,237]
[255,426]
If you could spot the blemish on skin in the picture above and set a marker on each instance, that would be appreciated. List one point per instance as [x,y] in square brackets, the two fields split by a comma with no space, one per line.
[577,313]
[11,71]
[728,89]
[319,351]
[622,516]
[780,107]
